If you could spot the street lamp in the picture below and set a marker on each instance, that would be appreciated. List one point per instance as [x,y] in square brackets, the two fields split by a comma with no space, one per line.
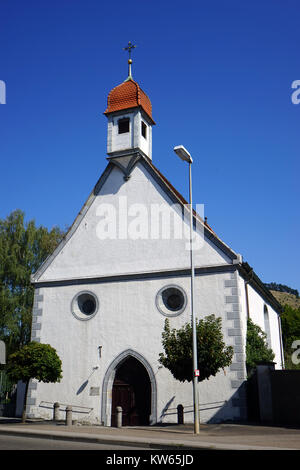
[185,156]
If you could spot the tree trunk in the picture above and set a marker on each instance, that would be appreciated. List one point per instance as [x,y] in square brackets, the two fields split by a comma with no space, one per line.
[24,404]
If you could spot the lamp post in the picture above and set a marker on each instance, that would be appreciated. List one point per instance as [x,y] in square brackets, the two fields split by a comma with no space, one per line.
[185,156]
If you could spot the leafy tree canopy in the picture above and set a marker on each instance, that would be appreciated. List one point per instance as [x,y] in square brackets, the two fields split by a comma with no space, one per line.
[290,324]
[35,361]
[257,349]
[213,354]
[23,247]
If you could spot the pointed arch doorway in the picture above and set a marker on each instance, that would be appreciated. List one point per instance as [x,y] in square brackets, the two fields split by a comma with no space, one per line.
[132,391]
[129,382]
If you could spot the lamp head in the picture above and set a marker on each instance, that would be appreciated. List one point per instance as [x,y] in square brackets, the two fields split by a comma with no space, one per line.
[183,153]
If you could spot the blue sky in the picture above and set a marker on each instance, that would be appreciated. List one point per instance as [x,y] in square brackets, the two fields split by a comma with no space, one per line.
[219,76]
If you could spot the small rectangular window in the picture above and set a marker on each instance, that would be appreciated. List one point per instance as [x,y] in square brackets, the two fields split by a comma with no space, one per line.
[123,126]
[144,130]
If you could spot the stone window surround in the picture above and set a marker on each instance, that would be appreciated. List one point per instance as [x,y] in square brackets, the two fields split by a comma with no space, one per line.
[75,310]
[163,309]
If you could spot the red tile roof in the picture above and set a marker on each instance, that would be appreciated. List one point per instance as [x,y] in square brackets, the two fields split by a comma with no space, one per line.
[128,95]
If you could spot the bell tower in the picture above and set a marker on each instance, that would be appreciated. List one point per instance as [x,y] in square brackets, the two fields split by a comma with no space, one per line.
[129,114]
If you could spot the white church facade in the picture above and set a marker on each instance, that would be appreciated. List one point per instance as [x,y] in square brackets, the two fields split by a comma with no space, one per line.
[101,299]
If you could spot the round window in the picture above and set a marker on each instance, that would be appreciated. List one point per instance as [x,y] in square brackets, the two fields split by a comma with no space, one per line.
[85,305]
[171,301]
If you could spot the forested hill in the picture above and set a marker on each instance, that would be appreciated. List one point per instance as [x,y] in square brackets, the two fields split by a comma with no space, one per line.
[285,295]
[282,288]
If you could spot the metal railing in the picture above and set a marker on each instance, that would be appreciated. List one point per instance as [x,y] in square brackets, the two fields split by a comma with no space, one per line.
[65,405]
[182,410]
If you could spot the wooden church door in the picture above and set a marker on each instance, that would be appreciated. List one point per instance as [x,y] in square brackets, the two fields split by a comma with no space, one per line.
[132,391]
[123,395]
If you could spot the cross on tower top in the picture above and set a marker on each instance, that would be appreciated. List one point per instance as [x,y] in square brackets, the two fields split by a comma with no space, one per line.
[129,48]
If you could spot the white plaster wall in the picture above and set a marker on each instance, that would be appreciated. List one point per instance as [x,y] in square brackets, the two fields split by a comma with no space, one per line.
[256,312]
[86,255]
[141,142]
[116,141]
[133,139]
[128,319]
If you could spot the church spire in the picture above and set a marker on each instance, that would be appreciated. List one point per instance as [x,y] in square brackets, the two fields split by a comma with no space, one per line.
[128,48]
[129,113]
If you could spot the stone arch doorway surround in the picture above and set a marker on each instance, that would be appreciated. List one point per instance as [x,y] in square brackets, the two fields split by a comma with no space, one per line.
[108,382]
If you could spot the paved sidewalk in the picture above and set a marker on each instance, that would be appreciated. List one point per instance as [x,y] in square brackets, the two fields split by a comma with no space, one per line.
[212,436]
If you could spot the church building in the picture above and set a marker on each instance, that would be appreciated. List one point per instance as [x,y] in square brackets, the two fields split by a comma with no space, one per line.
[102,297]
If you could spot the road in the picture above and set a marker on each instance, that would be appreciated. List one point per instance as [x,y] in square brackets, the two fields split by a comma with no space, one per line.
[32,443]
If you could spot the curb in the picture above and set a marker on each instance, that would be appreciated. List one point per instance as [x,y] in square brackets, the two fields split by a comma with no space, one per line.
[80,437]
[136,441]
[66,436]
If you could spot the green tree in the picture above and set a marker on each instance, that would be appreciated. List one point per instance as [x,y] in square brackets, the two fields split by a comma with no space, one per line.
[213,354]
[34,361]
[257,349]
[23,247]
[290,323]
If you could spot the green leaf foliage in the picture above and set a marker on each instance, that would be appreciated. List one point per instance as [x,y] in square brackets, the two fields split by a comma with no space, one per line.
[257,349]
[290,324]
[212,352]
[35,361]
[23,248]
